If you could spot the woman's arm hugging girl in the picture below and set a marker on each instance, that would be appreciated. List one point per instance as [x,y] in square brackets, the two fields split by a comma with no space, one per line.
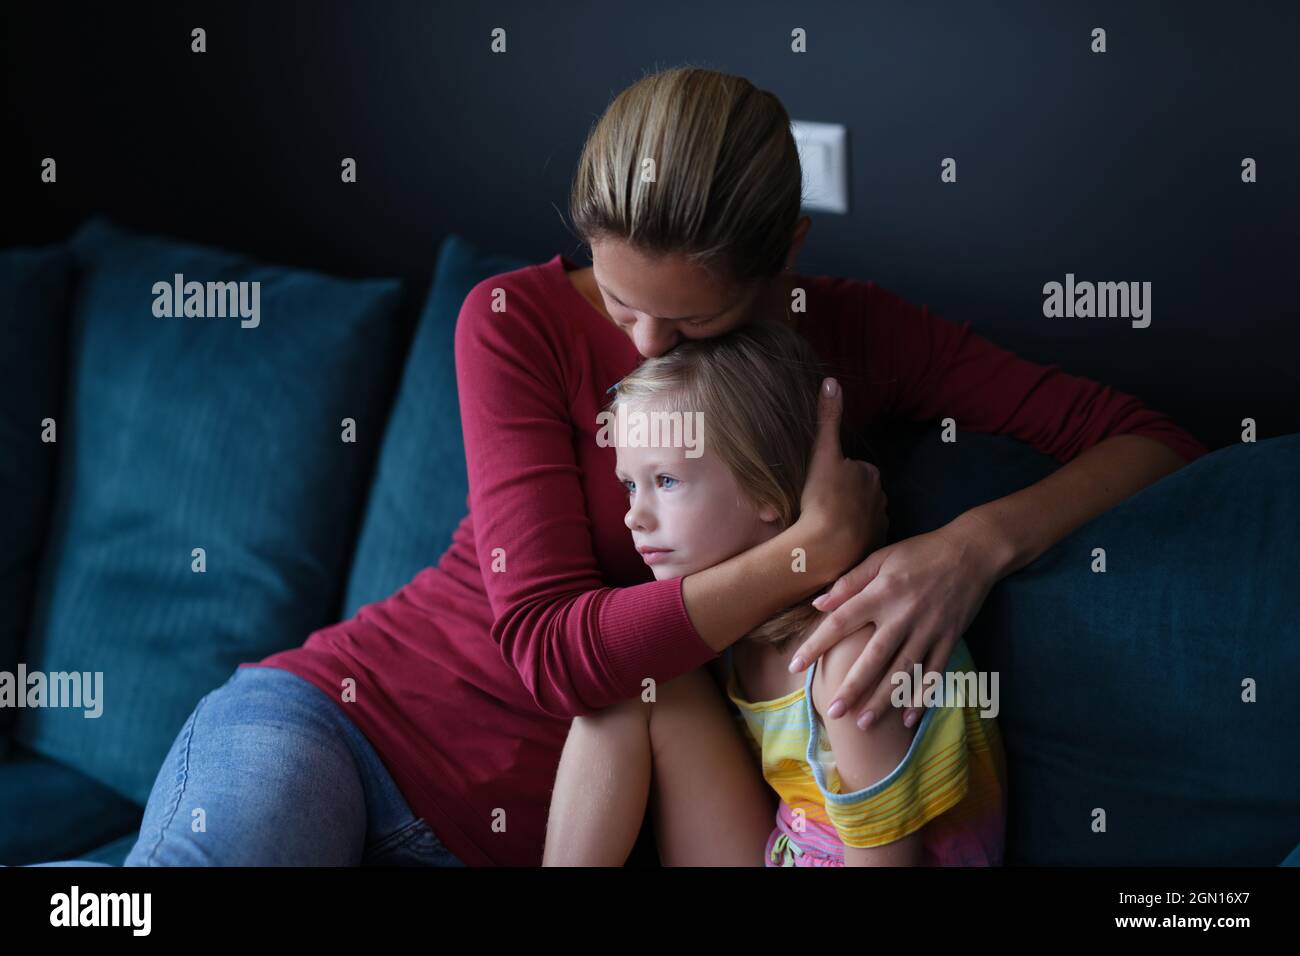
[754,392]
[578,644]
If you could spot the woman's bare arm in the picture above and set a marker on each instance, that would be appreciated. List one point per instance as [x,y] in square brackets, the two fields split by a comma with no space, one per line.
[1015,530]
[920,594]
[949,571]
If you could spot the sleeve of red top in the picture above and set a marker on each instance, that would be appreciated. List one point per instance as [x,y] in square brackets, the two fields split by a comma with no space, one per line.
[578,645]
[938,369]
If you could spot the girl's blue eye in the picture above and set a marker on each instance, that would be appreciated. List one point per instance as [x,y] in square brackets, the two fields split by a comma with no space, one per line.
[630,486]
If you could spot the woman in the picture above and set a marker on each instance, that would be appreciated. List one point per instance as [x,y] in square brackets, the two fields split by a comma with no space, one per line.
[428,728]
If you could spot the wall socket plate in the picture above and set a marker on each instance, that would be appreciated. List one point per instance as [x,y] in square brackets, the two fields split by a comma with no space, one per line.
[823,154]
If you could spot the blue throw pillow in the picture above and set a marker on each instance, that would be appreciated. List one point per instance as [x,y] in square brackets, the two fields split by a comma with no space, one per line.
[420,492]
[1126,696]
[1123,691]
[220,432]
[34,291]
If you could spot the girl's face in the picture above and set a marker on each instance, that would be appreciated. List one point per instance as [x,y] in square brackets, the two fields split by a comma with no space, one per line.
[690,508]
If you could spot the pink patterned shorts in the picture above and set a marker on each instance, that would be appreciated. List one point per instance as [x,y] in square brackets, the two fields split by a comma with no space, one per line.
[818,844]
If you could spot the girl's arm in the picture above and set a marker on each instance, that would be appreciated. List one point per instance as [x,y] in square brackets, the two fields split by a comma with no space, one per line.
[711,806]
[864,757]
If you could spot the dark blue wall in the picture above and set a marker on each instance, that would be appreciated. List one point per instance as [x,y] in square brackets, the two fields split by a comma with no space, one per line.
[1122,166]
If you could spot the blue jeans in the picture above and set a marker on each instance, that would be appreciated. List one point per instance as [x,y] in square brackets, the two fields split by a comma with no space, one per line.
[268,771]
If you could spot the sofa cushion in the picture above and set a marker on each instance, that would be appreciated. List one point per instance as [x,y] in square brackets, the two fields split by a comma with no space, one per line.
[35,285]
[114,852]
[189,432]
[50,812]
[420,492]
[1122,691]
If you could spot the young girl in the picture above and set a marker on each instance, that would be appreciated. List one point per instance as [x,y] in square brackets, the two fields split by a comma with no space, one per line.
[889,795]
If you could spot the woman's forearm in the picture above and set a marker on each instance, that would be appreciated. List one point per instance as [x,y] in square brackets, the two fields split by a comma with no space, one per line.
[727,601]
[1013,531]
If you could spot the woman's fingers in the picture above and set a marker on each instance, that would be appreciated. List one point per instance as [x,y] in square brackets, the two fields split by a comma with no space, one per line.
[826,453]
[865,675]
[853,615]
[936,662]
[841,499]
[830,406]
[823,485]
[881,700]
[850,583]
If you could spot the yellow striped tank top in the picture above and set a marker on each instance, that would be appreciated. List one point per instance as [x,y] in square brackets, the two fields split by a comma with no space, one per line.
[952,780]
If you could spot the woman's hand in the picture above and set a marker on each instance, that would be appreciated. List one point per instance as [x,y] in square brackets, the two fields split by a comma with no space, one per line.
[842,506]
[918,596]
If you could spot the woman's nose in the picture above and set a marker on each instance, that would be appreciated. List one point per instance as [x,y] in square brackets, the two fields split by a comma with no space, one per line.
[653,337]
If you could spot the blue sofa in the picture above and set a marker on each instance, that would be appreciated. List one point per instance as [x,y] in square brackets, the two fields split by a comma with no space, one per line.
[187,493]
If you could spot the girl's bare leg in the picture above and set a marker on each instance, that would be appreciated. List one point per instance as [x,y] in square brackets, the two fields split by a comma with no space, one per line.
[601,788]
[711,805]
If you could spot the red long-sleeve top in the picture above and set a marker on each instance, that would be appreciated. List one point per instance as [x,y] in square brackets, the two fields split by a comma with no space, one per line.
[468,677]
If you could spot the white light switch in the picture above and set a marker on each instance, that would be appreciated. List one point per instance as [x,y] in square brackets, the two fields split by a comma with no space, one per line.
[823,154]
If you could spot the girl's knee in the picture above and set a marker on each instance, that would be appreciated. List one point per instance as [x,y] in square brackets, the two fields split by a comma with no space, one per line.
[694,685]
[688,689]
[632,711]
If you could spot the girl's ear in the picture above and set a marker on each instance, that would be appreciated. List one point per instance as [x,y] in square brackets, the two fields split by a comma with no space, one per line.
[767,513]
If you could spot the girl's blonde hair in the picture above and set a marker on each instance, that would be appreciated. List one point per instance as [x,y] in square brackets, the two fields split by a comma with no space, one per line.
[726,189]
[756,387]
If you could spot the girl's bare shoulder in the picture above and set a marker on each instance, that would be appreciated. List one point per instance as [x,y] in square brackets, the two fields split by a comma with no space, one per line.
[763,671]
[833,667]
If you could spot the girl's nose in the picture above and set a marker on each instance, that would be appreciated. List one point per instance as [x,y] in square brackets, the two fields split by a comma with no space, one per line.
[638,518]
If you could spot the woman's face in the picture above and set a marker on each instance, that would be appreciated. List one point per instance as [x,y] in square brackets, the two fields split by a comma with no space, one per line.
[692,507]
[660,300]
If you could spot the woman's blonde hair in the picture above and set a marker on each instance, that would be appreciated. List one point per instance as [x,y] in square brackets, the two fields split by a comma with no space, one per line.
[756,387]
[726,189]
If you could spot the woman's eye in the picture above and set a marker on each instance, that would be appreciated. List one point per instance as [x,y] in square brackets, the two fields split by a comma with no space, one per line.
[625,485]
[668,478]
